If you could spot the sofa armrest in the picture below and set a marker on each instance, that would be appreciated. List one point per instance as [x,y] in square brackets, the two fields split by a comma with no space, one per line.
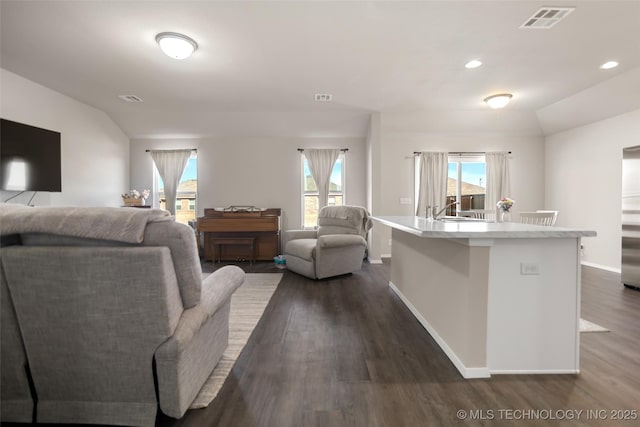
[218,287]
[186,359]
[216,292]
[340,240]
[297,234]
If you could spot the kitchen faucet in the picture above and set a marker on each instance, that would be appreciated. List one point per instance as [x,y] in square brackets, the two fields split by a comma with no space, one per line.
[433,209]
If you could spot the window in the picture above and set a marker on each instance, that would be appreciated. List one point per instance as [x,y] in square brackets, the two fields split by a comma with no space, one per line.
[310,191]
[467,182]
[187,190]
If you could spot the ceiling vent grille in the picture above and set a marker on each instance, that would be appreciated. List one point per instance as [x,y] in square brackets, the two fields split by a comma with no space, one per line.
[547,17]
[130,98]
[324,97]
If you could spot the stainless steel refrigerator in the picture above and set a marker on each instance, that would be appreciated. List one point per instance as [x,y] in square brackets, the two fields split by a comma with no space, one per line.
[631,217]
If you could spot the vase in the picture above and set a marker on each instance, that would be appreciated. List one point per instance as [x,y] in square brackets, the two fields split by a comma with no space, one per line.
[505,216]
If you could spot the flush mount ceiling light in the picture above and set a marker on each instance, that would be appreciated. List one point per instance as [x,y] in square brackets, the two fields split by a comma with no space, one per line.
[474,63]
[177,46]
[498,101]
[609,65]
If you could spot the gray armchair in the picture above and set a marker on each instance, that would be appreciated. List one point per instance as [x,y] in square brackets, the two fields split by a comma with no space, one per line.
[105,315]
[337,247]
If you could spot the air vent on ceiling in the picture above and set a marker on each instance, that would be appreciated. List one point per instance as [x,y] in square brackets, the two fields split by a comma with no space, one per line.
[324,97]
[130,98]
[547,17]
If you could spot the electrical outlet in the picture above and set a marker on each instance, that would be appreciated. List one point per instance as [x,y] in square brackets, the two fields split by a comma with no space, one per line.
[405,200]
[529,268]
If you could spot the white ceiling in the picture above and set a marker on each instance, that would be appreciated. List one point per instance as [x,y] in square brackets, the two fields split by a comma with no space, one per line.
[259,64]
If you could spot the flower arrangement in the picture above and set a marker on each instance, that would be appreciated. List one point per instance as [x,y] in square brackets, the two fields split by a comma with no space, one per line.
[135,194]
[505,204]
[135,198]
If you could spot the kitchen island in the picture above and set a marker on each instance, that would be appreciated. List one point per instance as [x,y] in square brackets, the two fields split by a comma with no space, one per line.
[499,298]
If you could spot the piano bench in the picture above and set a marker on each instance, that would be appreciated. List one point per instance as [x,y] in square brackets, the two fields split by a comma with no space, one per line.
[219,242]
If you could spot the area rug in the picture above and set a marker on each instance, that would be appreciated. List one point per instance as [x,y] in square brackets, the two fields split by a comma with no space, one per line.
[247,305]
[586,326]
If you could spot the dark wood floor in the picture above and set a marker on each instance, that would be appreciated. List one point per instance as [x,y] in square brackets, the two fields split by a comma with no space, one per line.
[256,267]
[346,352]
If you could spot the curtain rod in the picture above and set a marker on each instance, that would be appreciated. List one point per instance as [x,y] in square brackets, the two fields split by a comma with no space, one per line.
[458,153]
[192,149]
[344,150]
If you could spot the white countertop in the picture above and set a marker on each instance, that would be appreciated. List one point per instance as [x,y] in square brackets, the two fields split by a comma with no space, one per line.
[422,227]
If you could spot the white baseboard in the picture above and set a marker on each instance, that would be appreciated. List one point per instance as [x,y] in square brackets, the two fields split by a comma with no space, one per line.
[534,372]
[378,261]
[601,267]
[482,372]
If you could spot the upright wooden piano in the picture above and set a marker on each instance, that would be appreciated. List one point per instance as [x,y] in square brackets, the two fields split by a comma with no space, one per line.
[240,233]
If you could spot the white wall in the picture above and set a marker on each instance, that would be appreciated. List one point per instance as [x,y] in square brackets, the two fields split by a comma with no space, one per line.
[94,151]
[263,172]
[404,133]
[618,95]
[374,183]
[584,179]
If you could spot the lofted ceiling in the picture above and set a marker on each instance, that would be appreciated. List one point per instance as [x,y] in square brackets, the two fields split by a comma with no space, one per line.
[259,64]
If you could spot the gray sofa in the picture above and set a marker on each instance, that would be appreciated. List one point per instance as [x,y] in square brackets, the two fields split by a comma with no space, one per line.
[104,327]
[337,247]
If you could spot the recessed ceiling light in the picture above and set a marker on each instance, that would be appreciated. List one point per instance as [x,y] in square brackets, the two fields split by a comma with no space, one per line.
[609,65]
[475,63]
[498,101]
[177,46]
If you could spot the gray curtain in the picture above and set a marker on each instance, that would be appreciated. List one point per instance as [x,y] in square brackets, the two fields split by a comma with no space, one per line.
[433,181]
[498,180]
[321,163]
[170,165]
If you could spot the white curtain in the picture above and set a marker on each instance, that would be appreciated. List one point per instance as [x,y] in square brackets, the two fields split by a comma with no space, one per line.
[321,163]
[498,181]
[433,181]
[170,165]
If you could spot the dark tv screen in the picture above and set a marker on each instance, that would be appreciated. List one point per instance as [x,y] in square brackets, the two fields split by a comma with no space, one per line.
[29,158]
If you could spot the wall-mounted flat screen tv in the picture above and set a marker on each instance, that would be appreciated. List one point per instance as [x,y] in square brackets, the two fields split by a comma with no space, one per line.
[29,158]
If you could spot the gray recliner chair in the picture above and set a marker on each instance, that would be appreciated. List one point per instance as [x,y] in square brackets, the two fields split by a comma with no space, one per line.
[106,316]
[337,247]
[16,401]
